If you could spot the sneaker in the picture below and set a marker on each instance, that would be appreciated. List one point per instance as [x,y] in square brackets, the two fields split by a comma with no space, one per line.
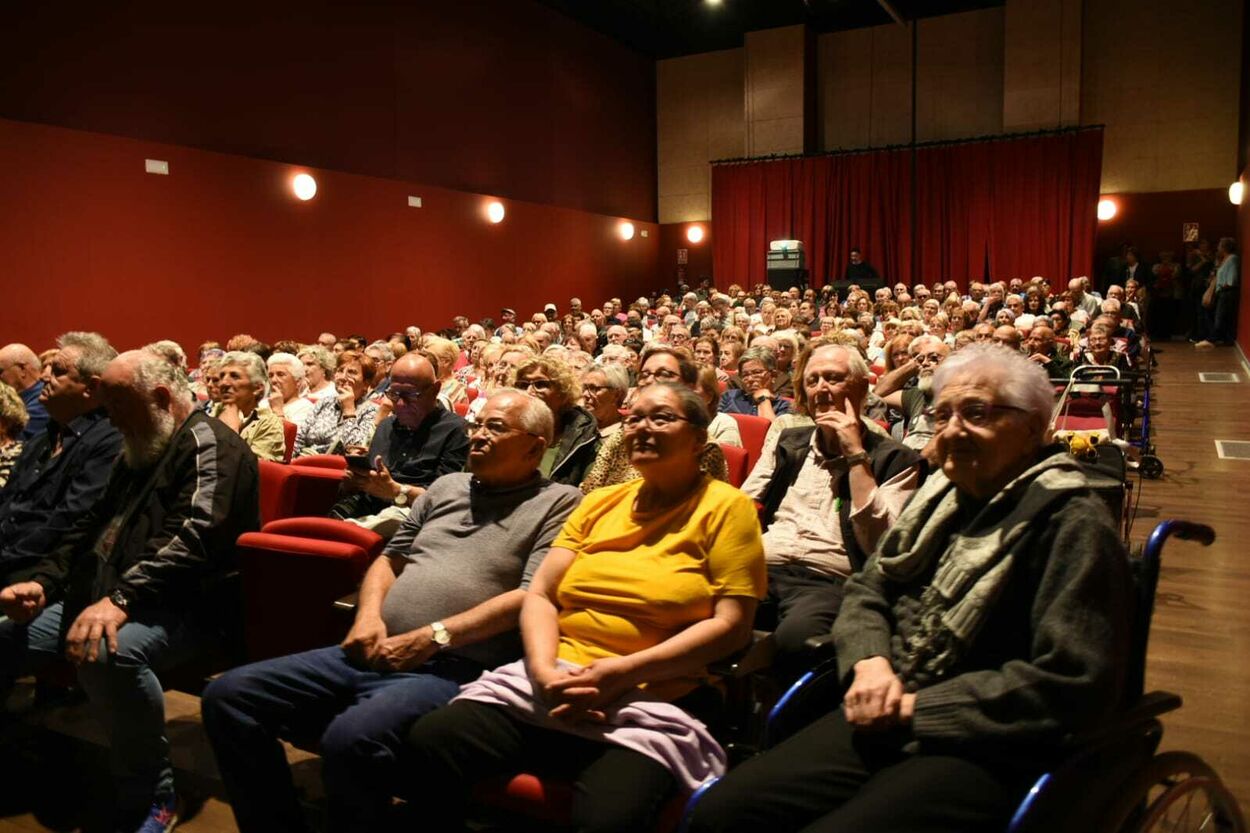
[1204,345]
[162,817]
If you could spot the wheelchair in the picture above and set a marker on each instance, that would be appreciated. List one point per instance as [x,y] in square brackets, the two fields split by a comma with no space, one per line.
[1114,780]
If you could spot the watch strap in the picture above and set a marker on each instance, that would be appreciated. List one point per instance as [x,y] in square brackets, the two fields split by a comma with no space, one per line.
[856,458]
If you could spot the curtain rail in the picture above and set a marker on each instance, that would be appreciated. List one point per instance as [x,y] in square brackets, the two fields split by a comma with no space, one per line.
[991,137]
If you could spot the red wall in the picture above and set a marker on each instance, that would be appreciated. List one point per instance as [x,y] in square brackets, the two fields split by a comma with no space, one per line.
[698,255]
[1243,240]
[1152,222]
[221,246]
[503,97]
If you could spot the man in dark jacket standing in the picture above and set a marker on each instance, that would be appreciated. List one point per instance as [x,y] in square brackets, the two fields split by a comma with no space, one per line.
[129,588]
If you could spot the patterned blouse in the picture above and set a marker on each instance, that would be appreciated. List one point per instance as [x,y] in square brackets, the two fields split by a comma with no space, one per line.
[8,459]
[612,464]
[327,431]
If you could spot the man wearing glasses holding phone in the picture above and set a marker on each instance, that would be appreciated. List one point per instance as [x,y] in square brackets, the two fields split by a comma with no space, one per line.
[438,607]
[417,444]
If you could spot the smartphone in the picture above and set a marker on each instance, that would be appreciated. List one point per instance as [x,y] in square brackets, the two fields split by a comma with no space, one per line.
[359,463]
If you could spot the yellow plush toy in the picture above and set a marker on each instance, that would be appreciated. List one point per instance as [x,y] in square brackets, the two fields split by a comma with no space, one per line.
[1081,444]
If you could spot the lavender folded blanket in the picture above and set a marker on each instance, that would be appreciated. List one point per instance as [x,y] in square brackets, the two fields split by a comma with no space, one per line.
[659,730]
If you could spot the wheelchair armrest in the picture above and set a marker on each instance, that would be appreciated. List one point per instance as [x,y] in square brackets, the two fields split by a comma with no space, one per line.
[347,603]
[822,643]
[750,660]
[1149,707]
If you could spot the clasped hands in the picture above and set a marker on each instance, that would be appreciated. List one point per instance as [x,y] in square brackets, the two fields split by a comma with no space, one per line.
[368,646]
[583,694]
[24,601]
[876,699]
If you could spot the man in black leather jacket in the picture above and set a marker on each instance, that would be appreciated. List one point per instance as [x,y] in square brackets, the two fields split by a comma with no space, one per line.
[131,587]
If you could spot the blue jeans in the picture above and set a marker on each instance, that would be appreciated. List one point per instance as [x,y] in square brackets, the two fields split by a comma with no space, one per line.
[123,692]
[356,718]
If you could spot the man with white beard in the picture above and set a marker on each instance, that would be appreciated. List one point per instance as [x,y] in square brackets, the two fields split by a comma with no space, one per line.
[135,583]
[925,353]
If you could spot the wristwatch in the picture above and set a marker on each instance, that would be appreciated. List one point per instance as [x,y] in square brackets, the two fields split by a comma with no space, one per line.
[856,458]
[120,599]
[401,499]
[761,398]
[442,636]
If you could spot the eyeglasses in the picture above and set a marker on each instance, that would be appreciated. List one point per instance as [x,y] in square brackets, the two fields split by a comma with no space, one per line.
[972,414]
[539,385]
[405,396]
[594,390]
[759,371]
[927,358]
[497,428]
[657,422]
[663,374]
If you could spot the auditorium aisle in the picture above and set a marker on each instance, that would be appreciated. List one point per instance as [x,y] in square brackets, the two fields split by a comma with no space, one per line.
[1200,641]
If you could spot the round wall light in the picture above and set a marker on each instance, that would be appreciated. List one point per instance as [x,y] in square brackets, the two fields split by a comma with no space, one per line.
[1107,209]
[1235,192]
[304,186]
[495,212]
[626,231]
[695,234]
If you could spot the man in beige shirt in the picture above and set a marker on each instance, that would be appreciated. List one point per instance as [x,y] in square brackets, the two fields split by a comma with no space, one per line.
[829,491]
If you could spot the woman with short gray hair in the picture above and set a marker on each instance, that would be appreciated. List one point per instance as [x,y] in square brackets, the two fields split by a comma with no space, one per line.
[756,371]
[987,629]
[319,364]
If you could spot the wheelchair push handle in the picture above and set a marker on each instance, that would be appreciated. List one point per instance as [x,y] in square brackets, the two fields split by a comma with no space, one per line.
[1185,530]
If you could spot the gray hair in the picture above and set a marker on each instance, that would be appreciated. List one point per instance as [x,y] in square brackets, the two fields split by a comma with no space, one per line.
[171,351]
[94,352]
[388,355]
[250,362]
[759,354]
[292,361]
[535,416]
[614,376]
[323,357]
[587,327]
[154,370]
[1018,381]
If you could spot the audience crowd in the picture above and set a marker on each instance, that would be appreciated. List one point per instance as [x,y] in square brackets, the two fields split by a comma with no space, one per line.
[566,553]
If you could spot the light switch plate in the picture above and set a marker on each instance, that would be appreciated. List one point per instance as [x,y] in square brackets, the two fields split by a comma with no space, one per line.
[156,166]
[414,202]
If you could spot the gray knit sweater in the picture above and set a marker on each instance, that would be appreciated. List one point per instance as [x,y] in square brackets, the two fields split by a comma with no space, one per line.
[1049,660]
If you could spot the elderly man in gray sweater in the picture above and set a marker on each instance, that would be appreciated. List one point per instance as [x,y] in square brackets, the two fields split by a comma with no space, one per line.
[438,607]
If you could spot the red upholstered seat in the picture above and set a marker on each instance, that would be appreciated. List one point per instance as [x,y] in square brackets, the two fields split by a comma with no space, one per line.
[752,429]
[462,407]
[322,461]
[550,800]
[737,462]
[289,430]
[288,491]
[1075,422]
[293,571]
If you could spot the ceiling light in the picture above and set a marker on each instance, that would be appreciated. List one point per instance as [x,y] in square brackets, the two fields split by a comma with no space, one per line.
[495,212]
[1107,208]
[626,231]
[304,186]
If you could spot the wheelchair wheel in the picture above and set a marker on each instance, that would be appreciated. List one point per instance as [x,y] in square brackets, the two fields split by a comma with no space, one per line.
[1151,466]
[1176,792]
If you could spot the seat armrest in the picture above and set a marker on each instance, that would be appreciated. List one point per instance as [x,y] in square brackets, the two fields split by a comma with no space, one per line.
[752,659]
[1150,707]
[347,603]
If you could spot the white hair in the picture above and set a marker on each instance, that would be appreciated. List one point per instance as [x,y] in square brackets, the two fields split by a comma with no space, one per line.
[535,416]
[251,364]
[291,361]
[614,376]
[1018,381]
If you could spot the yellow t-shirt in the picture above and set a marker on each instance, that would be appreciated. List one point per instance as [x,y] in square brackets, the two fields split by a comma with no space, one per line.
[639,579]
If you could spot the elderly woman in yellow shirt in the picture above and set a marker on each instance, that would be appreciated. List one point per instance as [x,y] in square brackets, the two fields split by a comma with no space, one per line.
[649,581]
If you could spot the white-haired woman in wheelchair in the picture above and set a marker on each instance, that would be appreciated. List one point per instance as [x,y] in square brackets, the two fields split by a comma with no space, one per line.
[991,623]
[649,581]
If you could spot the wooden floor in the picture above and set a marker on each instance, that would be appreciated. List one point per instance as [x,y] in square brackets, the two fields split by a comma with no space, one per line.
[1200,642]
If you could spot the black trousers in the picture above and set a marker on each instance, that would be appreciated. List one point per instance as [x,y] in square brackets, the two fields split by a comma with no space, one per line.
[829,778]
[801,603]
[615,789]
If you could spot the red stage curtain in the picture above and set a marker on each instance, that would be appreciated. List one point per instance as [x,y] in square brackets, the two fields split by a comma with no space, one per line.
[831,203]
[1007,208]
